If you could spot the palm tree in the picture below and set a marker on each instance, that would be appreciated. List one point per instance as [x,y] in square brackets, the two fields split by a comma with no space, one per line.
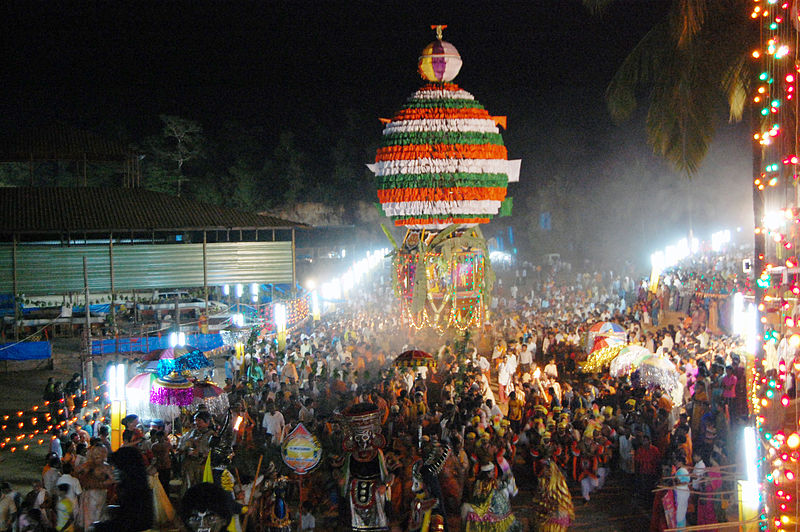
[691,62]
[694,60]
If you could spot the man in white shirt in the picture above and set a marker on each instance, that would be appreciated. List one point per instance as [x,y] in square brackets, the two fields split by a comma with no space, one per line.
[408,379]
[484,365]
[503,378]
[525,358]
[512,362]
[74,484]
[274,423]
[493,409]
[551,370]
[668,343]
[305,347]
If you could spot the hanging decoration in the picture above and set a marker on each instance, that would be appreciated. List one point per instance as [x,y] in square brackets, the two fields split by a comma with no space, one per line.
[628,359]
[442,170]
[173,389]
[208,393]
[658,372]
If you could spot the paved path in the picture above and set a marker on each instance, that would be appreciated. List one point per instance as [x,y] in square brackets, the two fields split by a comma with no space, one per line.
[612,509]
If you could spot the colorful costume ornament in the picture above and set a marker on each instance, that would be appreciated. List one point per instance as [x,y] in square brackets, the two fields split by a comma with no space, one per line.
[366,479]
[554,503]
[489,507]
[278,520]
[441,170]
[427,509]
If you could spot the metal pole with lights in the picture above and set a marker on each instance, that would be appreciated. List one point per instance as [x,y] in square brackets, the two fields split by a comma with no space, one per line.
[749,494]
[280,324]
[315,310]
[116,394]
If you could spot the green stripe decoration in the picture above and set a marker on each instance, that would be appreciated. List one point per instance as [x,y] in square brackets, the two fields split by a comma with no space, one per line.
[442,104]
[442,137]
[441,180]
[506,207]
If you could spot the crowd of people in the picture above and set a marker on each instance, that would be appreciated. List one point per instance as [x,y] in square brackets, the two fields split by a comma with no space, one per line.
[445,444]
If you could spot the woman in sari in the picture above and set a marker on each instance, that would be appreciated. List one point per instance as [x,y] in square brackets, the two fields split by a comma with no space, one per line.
[699,405]
[706,511]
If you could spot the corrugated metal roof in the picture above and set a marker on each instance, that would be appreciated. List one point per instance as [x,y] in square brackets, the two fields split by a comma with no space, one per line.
[94,209]
[50,270]
[59,142]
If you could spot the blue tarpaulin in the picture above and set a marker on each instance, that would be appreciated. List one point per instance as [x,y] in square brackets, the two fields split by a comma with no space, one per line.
[26,351]
[145,344]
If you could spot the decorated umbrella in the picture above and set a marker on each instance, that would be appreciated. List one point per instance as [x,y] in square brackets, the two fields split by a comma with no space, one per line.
[605,349]
[604,329]
[137,395]
[628,359]
[172,389]
[657,371]
[177,359]
[414,359]
[211,395]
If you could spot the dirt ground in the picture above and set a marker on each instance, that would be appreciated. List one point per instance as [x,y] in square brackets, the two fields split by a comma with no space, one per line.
[20,391]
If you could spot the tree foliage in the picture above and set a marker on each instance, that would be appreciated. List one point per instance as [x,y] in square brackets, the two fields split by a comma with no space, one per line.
[690,62]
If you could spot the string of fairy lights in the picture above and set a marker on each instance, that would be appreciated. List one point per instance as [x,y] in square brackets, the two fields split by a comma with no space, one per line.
[31,427]
[775,412]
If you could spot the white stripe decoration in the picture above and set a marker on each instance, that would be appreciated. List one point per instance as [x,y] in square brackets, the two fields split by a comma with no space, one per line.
[460,125]
[442,94]
[432,208]
[440,166]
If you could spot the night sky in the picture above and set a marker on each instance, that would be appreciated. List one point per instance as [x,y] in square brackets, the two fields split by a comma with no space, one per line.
[544,64]
[273,62]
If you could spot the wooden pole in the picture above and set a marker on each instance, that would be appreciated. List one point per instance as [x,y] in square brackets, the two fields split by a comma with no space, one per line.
[252,492]
[294,267]
[300,503]
[205,271]
[14,283]
[111,278]
[88,319]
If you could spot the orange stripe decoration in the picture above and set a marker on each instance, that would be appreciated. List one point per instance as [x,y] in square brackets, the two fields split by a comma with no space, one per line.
[440,86]
[501,121]
[448,221]
[441,151]
[397,195]
[421,113]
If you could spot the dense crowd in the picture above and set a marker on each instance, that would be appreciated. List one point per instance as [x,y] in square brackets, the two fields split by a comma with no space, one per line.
[440,446]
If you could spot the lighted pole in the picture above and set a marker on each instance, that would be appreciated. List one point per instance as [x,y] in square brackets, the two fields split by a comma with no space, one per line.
[315,311]
[116,393]
[280,324]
